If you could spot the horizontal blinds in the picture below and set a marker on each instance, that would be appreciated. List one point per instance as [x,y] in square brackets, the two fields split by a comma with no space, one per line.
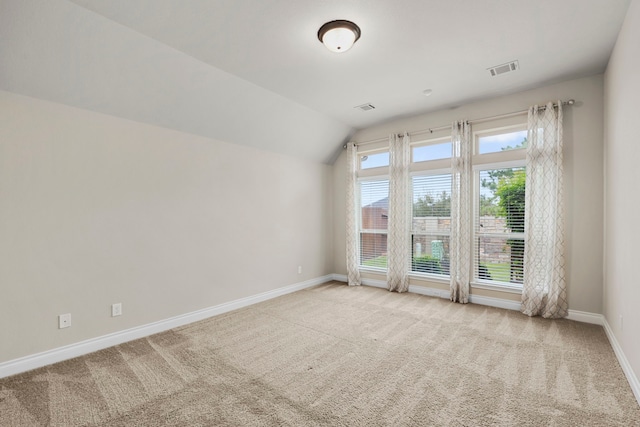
[499,225]
[373,221]
[431,223]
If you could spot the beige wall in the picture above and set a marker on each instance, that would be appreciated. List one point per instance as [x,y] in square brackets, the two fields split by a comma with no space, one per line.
[96,210]
[583,137]
[622,192]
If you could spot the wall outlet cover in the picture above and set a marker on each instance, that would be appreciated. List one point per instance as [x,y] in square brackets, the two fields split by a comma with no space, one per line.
[64,321]
[116,309]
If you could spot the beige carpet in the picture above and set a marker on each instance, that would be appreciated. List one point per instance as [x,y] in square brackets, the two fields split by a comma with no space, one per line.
[339,356]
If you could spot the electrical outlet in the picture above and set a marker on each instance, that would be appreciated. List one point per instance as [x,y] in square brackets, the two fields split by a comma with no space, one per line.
[64,321]
[116,309]
[299,269]
[621,322]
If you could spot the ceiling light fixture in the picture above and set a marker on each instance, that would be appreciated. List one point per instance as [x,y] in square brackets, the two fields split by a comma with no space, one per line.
[338,36]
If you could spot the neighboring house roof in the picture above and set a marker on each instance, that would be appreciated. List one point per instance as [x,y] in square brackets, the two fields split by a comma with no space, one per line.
[382,203]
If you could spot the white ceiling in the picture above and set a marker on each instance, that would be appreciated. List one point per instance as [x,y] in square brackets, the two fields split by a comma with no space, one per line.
[253,72]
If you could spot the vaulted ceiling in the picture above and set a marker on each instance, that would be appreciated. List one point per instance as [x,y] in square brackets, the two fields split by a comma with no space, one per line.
[253,72]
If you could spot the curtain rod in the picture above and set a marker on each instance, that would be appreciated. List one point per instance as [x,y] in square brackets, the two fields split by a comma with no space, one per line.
[483,119]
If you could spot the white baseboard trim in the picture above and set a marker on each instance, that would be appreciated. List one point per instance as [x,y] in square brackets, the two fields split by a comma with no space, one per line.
[495,302]
[59,354]
[586,317]
[339,277]
[430,292]
[622,359]
[440,293]
[579,316]
[375,283]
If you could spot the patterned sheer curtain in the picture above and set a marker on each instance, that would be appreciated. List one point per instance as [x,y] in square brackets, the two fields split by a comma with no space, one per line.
[399,224]
[353,273]
[544,290]
[460,211]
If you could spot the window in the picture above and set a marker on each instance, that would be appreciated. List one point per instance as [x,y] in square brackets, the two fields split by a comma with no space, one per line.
[437,151]
[499,205]
[431,224]
[375,160]
[431,219]
[497,239]
[499,225]
[494,143]
[374,217]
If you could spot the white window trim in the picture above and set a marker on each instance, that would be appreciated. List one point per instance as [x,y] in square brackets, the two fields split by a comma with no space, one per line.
[373,173]
[501,125]
[510,163]
[495,285]
[368,172]
[380,177]
[429,168]
[430,172]
[497,156]
[496,160]
[369,269]
[373,231]
[444,278]
[431,141]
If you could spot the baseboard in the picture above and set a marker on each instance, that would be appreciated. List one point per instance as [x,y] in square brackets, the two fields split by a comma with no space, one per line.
[339,277]
[59,354]
[622,359]
[430,292]
[586,317]
[579,316]
[440,293]
[495,302]
[375,283]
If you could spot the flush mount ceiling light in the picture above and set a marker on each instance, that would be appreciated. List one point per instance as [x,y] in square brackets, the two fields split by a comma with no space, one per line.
[338,36]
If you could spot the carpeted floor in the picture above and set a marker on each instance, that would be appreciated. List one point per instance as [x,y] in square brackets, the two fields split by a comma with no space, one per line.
[339,356]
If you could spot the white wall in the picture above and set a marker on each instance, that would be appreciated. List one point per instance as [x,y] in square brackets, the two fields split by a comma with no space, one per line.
[96,210]
[622,194]
[62,52]
[583,137]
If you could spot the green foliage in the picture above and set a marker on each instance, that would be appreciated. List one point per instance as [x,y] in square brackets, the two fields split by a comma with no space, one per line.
[511,193]
[426,264]
[496,175]
[488,206]
[522,144]
[429,205]
[380,262]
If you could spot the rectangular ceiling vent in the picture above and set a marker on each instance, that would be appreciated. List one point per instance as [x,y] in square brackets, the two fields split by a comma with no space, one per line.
[365,107]
[503,68]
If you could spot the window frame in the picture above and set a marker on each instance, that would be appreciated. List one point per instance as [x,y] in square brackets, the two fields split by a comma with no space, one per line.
[375,171]
[428,168]
[361,231]
[494,160]
[490,161]
[430,164]
[430,172]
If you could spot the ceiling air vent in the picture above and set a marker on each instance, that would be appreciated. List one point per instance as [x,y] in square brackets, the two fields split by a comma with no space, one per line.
[365,107]
[503,68]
